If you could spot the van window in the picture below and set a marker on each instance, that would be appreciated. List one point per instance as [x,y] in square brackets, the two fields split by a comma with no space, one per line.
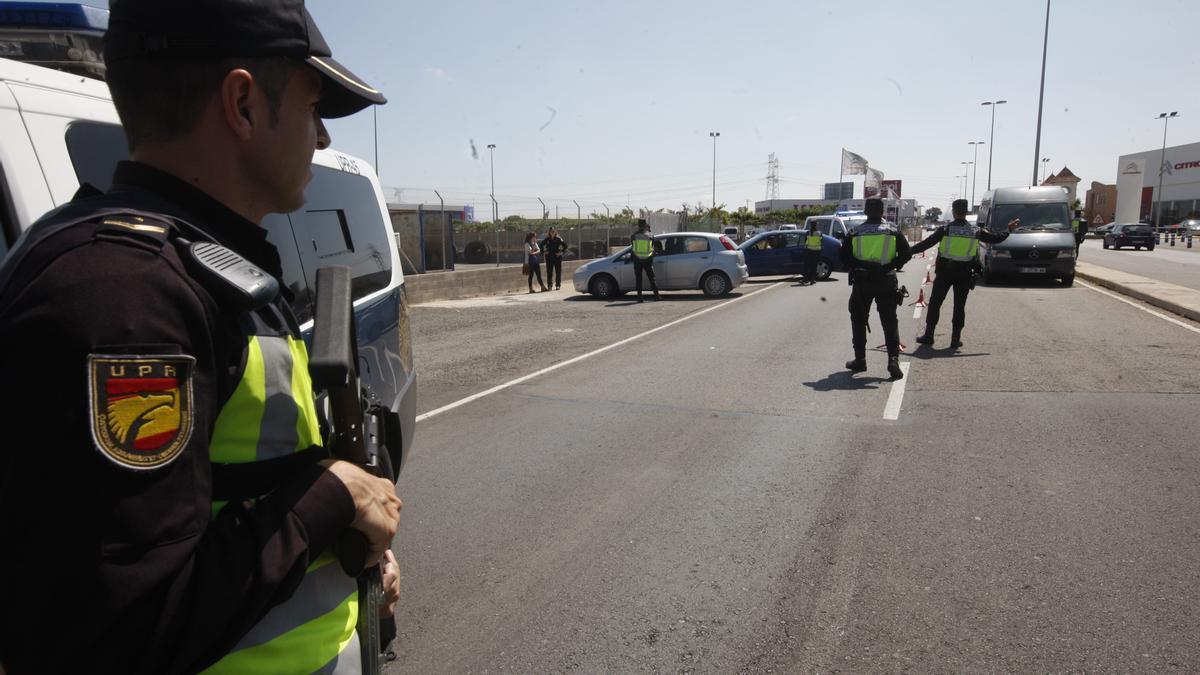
[1048,216]
[95,148]
[341,224]
[279,233]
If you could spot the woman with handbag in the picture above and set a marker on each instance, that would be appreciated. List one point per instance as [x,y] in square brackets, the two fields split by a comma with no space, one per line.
[533,261]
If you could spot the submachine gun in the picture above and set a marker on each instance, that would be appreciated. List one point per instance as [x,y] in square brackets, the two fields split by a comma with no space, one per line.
[356,435]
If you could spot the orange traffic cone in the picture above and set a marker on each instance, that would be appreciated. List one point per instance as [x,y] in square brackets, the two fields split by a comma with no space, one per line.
[920,300]
[927,279]
[903,347]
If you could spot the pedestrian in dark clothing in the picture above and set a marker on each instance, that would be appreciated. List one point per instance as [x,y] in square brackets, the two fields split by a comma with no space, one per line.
[533,261]
[643,251]
[553,247]
[958,245]
[812,253]
[873,252]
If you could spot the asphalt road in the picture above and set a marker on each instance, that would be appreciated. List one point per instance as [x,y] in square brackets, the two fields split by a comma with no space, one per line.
[721,496]
[1177,265]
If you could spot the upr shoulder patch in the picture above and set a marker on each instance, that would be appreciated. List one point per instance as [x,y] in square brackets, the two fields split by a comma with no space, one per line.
[140,407]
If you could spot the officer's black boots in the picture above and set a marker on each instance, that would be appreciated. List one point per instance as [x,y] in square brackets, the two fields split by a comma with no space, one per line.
[926,338]
[894,368]
[956,339]
[858,365]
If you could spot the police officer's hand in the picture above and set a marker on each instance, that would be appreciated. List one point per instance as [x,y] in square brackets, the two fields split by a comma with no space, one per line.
[376,506]
[1014,224]
[391,585]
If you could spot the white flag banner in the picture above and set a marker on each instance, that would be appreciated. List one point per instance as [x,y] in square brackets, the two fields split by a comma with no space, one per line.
[853,164]
[872,182]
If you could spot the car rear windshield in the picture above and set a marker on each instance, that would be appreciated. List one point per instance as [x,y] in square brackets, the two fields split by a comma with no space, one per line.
[1136,229]
[1034,217]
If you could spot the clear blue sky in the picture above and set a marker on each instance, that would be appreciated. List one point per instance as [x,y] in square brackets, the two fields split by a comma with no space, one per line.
[637,86]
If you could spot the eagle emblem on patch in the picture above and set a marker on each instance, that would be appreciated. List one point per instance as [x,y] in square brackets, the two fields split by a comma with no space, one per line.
[141,407]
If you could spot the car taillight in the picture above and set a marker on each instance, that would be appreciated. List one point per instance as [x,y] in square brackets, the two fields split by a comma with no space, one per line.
[728,244]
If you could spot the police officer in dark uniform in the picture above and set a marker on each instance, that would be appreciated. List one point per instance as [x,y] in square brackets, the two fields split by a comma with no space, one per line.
[958,245]
[873,252]
[554,247]
[165,502]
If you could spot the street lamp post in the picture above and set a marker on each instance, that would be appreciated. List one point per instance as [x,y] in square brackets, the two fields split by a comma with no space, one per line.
[1044,161]
[495,209]
[975,175]
[1037,146]
[966,177]
[1162,164]
[992,138]
[959,186]
[714,135]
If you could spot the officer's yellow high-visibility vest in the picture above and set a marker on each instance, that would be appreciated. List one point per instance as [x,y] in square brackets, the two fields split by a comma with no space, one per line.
[960,243]
[874,244]
[812,242]
[643,246]
[272,414]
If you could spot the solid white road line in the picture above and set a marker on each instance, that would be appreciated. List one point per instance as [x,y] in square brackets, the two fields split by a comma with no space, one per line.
[917,312]
[525,378]
[1131,303]
[892,410]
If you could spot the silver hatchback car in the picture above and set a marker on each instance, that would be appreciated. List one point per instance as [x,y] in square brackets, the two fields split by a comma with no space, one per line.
[683,261]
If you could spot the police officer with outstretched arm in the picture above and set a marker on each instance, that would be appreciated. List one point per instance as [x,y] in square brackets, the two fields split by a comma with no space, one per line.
[166,504]
[642,251]
[958,244]
[873,252]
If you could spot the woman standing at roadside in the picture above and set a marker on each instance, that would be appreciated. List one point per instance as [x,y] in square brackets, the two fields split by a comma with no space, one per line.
[533,261]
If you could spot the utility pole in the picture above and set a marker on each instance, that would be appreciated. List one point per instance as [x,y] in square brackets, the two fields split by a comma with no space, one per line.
[992,138]
[975,175]
[1037,146]
[1162,168]
[714,135]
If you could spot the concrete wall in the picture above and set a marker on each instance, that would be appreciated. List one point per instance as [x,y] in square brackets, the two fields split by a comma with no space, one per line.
[471,283]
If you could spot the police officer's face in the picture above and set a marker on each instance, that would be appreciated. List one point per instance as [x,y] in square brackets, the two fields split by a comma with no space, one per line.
[284,156]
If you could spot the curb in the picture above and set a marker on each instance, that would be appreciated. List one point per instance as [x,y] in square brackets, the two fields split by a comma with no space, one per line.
[1124,289]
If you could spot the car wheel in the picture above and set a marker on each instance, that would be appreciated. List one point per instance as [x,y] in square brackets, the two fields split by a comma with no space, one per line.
[715,284]
[604,287]
[1105,243]
[1150,247]
[1068,280]
[824,269]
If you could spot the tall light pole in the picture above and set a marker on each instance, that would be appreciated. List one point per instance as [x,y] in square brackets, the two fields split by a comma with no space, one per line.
[1162,165]
[1044,160]
[714,135]
[1037,146]
[959,186]
[992,138]
[966,177]
[975,176]
[495,209]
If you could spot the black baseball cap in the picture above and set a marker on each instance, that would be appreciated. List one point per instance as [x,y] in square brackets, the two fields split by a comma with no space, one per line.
[200,29]
[960,205]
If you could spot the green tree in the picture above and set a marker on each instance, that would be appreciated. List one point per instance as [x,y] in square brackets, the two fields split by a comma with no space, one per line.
[933,214]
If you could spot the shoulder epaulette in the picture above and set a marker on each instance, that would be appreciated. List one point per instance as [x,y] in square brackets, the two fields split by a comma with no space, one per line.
[134,227]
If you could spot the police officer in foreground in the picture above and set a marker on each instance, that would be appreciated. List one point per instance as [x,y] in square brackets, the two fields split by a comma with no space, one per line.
[958,244]
[812,253]
[643,257]
[165,502]
[873,252]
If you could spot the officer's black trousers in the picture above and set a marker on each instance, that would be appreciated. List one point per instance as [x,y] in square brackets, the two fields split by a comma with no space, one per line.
[647,267]
[810,264]
[553,270]
[960,281]
[880,289]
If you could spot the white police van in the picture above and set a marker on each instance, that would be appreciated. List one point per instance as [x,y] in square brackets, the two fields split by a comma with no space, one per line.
[59,129]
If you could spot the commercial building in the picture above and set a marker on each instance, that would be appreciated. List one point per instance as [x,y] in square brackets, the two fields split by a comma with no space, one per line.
[1138,175]
[1064,179]
[1100,204]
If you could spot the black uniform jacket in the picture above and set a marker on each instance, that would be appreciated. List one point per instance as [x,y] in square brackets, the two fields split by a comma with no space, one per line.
[108,569]
[982,234]
[554,248]
[903,253]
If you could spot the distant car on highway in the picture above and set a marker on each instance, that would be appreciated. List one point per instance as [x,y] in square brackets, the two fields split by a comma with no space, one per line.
[1099,231]
[1136,235]
[683,261]
[783,253]
[1190,226]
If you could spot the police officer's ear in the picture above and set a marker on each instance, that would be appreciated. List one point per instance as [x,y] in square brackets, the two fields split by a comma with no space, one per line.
[238,103]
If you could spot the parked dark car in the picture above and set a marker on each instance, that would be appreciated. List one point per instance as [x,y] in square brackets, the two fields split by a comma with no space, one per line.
[782,252]
[1136,235]
[1099,231]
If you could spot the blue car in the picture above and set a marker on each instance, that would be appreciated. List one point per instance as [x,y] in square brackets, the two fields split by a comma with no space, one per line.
[782,252]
